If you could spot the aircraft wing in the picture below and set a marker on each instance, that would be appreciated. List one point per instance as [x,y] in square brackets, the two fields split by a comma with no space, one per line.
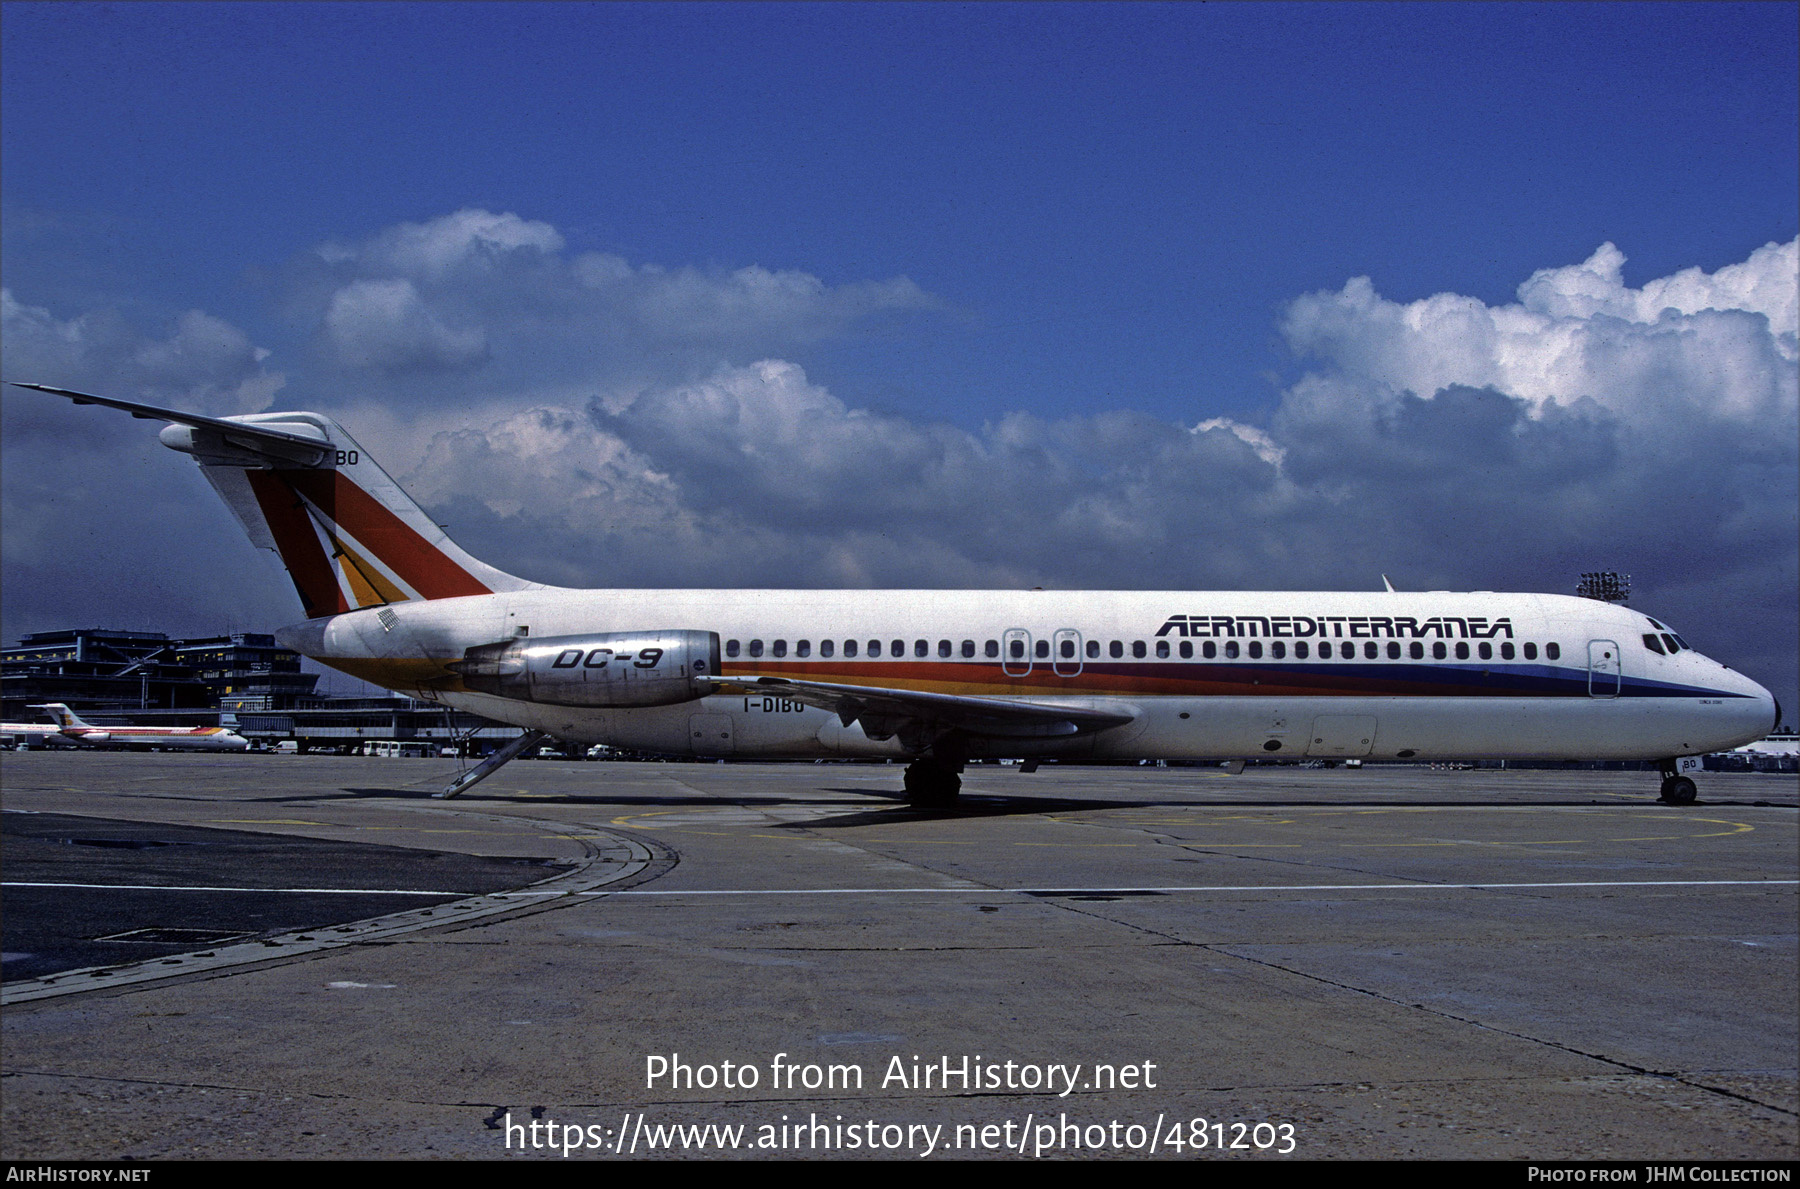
[919,717]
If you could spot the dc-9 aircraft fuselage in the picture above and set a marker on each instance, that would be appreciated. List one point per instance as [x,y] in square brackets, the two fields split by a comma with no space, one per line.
[940,677]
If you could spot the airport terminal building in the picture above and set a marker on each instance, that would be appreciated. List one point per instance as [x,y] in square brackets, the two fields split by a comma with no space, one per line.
[242,680]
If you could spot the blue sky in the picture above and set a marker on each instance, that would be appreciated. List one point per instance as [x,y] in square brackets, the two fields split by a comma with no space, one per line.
[1044,240]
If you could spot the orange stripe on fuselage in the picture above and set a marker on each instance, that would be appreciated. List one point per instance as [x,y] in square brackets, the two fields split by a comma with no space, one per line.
[419,563]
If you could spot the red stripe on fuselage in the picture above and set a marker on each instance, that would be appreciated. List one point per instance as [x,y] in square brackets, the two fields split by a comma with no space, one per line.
[298,544]
[419,563]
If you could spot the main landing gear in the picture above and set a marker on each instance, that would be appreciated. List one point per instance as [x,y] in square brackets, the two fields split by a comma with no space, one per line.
[1676,788]
[933,783]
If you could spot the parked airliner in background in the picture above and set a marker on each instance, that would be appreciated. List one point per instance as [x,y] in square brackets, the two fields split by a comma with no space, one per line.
[72,729]
[940,677]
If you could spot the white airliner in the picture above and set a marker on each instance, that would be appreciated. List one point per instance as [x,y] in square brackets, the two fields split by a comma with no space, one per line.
[941,677]
[71,727]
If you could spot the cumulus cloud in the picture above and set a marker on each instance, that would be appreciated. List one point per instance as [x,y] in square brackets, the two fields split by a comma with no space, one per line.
[1718,347]
[385,327]
[467,239]
[92,514]
[1445,442]
[201,362]
[498,298]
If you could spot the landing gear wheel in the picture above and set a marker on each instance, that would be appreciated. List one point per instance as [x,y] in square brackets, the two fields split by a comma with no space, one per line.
[932,784]
[1678,790]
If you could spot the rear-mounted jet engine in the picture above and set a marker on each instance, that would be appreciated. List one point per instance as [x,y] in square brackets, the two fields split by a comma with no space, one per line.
[613,669]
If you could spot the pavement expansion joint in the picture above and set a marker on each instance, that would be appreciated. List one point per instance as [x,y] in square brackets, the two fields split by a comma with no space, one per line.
[592,874]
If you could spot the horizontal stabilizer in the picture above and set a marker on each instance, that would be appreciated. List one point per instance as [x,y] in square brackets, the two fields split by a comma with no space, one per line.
[294,443]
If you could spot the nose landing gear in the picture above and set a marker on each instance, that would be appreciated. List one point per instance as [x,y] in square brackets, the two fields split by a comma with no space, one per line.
[1676,788]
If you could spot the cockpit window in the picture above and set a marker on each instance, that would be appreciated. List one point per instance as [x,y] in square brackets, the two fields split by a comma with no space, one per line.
[1652,643]
[1679,642]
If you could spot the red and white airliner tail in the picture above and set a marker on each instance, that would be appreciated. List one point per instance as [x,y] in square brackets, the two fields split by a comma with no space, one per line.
[302,486]
[942,677]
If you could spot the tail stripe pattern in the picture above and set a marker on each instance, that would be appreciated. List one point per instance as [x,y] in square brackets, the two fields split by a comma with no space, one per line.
[413,559]
[298,544]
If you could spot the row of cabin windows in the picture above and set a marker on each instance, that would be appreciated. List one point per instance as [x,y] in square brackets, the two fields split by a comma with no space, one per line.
[1209,649]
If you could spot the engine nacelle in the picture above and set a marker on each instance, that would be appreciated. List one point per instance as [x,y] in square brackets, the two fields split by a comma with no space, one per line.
[607,669]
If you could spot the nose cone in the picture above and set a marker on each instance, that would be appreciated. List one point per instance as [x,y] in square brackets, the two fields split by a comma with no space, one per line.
[1757,712]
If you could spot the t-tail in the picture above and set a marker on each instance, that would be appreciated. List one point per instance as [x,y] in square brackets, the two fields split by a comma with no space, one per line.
[302,486]
[65,718]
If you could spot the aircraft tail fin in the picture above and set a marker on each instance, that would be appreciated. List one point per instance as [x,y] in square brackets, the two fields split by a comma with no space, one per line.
[64,717]
[302,486]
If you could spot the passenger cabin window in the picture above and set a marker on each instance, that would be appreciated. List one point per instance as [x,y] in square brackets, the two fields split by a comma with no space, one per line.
[1553,652]
[874,648]
[1393,650]
[1256,650]
[1301,650]
[1209,650]
[1067,648]
[1115,650]
[968,648]
[803,648]
[1016,648]
[1438,651]
[991,648]
[1416,650]
[1371,650]
[944,648]
[756,648]
[779,648]
[1506,651]
[921,648]
[826,647]
[1347,651]
[1462,651]
[1162,650]
[1187,650]
[1137,649]
[1531,652]
[1231,649]
[731,648]
[849,647]
[1043,650]
[1485,651]
[897,649]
